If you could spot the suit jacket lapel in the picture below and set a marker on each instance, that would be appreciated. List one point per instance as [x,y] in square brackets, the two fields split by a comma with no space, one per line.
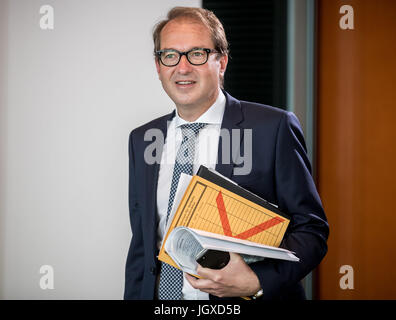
[226,154]
[152,180]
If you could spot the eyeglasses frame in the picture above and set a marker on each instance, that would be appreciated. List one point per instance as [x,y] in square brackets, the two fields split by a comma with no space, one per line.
[185,53]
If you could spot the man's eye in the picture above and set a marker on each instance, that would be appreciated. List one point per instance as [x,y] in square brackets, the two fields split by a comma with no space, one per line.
[197,53]
[170,56]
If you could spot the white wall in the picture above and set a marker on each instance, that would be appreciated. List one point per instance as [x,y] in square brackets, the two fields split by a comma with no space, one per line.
[68,99]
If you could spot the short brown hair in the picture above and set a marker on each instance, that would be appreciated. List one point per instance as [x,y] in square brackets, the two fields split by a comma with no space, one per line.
[204,16]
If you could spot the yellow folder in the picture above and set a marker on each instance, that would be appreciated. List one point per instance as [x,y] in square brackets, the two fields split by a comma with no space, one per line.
[209,207]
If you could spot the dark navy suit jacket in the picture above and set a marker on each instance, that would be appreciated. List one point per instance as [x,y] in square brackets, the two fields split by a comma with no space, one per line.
[281,174]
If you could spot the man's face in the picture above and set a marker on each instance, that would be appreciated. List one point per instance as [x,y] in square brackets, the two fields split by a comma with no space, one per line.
[203,81]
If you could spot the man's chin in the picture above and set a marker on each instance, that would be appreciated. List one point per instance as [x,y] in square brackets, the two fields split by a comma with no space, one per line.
[184,100]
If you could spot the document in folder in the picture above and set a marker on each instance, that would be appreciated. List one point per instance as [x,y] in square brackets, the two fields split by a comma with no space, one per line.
[211,207]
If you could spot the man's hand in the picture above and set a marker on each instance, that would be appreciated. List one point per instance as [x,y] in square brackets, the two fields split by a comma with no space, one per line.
[236,279]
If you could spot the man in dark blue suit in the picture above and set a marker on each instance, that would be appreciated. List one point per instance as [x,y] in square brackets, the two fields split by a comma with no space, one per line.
[191,58]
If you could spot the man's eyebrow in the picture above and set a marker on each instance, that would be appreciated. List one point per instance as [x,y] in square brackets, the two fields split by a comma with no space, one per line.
[195,47]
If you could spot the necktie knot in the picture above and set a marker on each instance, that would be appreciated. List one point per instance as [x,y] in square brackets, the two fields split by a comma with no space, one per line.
[189,128]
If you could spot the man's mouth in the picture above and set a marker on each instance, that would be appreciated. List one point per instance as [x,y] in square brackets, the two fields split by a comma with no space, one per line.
[185,83]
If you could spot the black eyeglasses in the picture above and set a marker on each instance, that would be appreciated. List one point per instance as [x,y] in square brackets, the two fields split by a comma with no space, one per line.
[196,56]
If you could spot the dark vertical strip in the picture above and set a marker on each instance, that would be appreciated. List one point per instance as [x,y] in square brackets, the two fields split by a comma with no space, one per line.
[256,31]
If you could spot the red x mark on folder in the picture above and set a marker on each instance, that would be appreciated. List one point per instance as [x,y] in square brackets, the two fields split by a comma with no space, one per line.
[247,233]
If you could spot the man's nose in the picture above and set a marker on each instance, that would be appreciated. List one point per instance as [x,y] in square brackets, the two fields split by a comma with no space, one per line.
[184,66]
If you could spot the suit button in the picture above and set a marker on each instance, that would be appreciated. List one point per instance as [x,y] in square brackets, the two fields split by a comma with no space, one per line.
[153,270]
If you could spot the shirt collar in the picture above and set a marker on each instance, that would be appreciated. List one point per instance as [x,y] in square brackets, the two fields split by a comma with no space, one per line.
[214,115]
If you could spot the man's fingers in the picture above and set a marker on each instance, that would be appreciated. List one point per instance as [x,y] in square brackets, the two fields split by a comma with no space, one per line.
[202,284]
[205,272]
[190,278]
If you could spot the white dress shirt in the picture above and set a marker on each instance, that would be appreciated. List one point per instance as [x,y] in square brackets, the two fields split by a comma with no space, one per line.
[205,154]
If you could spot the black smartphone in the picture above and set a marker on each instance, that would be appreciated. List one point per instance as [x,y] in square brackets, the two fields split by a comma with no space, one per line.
[213,259]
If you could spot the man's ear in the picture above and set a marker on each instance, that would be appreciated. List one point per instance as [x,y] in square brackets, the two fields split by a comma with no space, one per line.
[223,64]
[157,66]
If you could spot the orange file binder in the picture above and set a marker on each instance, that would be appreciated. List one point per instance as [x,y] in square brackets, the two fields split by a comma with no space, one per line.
[210,207]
